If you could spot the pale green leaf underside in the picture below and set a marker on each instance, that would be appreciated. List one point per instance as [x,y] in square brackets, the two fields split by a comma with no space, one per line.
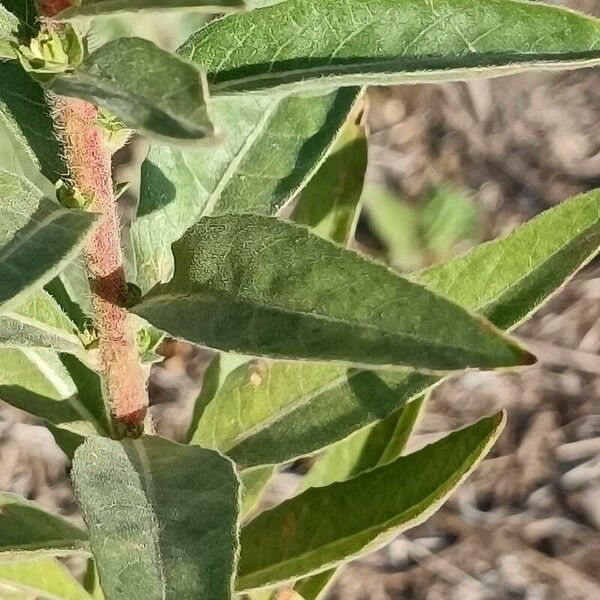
[370,447]
[254,482]
[37,382]
[294,409]
[329,204]
[45,577]
[271,146]
[37,238]
[150,89]
[92,8]
[37,371]
[351,42]
[9,25]
[26,529]
[256,285]
[162,518]
[39,323]
[281,410]
[324,526]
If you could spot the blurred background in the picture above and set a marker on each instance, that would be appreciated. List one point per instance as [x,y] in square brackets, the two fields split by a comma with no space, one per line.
[450,166]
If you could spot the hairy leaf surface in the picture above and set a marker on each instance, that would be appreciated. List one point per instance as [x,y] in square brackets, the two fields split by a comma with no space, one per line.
[37,238]
[27,529]
[110,7]
[350,42]
[291,409]
[323,526]
[271,146]
[162,518]
[39,323]
[150,89]
[26,116]
[284,292]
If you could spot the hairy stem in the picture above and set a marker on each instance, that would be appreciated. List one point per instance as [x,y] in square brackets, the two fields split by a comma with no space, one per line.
[89,165]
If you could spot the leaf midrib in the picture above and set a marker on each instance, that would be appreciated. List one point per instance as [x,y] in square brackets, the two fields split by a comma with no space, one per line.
[330,73]
[437,496]
[523,278]
[167,298]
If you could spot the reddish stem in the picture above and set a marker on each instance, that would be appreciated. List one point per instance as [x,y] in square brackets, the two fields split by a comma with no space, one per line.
[89,164]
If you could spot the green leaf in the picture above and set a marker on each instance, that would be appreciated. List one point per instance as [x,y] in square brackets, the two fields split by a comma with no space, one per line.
[26,529]
[302,43]
[150,89]
[370,447]
[89,393]
[162,518]
[254,482]
[283,292]
[323,526]
[509,278]
[39,372]
[9,24]
[396,223]
[295,409]
[316,586]
[330,202]
[267,413]
[37,238]
[271,147]
[25,113]
[95,8]
[37,382]
[39,323]
[24,10]
[44,577]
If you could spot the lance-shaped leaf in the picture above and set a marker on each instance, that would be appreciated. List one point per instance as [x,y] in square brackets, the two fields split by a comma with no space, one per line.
[291,409]
[37,371]
[37,238]
[324,526]
[40,577]
[370,447]
[329,204]
[37,382]
[284,292]
[93,8]
[266,413]
[271,147]
[349,42]
[39,323]
[25,114]
[27,529]
[162,518]
[509,278]
[150,89]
